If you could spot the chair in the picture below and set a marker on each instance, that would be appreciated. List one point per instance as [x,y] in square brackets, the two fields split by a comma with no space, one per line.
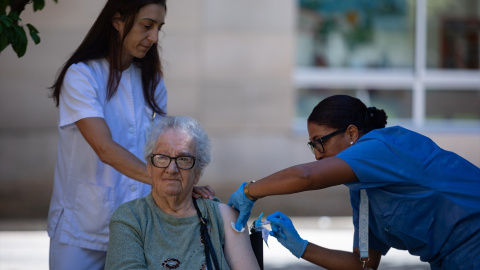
[257,245]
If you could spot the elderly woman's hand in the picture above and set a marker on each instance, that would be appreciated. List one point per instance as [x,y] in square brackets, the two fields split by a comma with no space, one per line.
[203,192]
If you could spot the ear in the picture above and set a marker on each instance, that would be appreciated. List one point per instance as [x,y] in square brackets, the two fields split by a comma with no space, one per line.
[353,133]
[197,177]
[118,22]
[149,169]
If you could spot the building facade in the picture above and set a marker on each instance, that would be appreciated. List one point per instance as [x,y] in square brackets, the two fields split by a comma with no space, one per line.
[250,71]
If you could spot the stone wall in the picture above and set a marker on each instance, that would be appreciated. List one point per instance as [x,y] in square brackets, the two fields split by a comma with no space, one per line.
[227,63]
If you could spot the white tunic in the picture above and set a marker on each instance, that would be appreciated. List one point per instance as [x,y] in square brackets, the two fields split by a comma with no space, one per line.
[86,191]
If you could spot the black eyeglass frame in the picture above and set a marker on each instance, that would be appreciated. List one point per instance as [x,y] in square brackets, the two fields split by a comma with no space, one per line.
[313,145]
[152,156]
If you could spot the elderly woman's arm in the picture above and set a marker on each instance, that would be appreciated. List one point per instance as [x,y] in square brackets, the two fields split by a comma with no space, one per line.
[238,250]
[125,247]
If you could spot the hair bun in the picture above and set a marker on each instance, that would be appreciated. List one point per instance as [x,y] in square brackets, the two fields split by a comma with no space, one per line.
[371,111]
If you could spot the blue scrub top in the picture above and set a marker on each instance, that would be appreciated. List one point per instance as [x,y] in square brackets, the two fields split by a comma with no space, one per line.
[422,198]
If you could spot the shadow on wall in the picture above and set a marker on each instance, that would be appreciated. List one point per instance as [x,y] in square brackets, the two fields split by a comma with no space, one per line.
[25,199]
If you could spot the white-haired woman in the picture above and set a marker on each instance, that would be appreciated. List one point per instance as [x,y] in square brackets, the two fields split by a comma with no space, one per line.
[163,229]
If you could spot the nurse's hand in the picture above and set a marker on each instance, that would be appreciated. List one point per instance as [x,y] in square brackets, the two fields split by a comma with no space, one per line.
[243,204]
[203,192]
[283,230]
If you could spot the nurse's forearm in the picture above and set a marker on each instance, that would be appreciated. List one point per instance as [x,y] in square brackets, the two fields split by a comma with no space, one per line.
[287,181]
[338,259]
[309,176]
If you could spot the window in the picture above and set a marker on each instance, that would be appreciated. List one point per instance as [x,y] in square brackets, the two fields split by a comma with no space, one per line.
[418,60]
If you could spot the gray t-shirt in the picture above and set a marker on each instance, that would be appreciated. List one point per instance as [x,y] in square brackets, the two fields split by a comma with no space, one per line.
[142,236]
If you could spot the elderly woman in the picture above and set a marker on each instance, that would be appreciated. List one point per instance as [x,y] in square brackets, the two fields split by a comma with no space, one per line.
[163,229]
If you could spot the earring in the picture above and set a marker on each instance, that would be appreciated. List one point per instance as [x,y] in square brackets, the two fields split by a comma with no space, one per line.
[351,143]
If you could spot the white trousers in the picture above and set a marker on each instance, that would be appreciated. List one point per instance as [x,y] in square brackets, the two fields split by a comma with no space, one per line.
[63,256]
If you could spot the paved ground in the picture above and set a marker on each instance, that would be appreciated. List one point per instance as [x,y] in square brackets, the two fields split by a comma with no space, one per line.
[25,246]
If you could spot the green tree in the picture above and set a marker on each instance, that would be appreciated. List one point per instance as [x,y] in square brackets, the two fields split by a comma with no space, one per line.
[12,30]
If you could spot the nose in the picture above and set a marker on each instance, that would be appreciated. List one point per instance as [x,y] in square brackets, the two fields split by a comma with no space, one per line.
[172,167]
[153,36]
[318,155]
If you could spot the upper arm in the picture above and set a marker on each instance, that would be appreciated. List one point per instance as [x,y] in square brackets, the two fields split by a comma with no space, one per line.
[328,172]
[125,247]
[315,175]
[238,249]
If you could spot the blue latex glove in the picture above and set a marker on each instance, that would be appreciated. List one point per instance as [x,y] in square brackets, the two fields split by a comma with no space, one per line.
[283,230]
[243,204]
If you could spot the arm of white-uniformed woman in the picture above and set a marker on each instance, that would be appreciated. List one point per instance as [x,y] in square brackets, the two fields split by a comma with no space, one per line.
[238,249]
[97,133]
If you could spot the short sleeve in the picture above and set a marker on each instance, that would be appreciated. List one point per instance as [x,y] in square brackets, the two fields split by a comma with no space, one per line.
[126,247]
[81,95]
[375,163]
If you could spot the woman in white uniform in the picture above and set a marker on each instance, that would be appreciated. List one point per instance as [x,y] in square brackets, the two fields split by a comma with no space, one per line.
[108,93]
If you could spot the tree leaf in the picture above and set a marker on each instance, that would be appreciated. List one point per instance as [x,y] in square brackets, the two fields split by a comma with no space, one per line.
[20,49]
[36,38]
[33,33]
[7,21]
[8,32]
[32,28]
[3,42]
[38,4]
[20,33]
[19,42]
[14,16]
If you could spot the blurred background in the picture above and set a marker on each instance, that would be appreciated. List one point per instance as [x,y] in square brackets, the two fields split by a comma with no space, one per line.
[251,71]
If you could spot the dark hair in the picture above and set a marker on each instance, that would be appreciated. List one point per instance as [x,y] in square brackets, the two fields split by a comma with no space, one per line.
[339,111]
[103,40]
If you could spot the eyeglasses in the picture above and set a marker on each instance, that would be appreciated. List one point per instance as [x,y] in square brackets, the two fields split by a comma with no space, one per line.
[163,161]
[318,143]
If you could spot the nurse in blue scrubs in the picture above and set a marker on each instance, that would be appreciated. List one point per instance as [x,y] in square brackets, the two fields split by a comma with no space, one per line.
[422,198]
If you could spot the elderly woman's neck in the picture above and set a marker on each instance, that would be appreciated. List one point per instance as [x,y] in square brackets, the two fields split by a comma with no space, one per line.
[175,206]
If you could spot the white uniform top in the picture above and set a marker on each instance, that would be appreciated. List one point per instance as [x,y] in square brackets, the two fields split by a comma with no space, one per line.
[86,191]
